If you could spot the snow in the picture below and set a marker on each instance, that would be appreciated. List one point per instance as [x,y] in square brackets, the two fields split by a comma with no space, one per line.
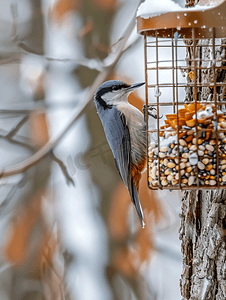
[150,8]
[169,140]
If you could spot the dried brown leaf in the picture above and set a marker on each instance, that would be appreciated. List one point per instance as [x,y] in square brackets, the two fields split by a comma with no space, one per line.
[107,5]
[39,128]
[62,7]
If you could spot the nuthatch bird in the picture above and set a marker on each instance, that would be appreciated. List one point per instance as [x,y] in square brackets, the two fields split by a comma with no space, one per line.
[125,130]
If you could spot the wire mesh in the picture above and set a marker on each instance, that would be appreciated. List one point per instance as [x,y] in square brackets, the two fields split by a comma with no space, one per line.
[185,83]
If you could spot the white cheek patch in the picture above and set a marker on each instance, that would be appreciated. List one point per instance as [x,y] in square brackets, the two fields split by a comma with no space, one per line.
[108,97]
[114,97]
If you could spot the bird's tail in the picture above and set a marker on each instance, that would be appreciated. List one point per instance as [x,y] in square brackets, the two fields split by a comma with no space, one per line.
[136,202]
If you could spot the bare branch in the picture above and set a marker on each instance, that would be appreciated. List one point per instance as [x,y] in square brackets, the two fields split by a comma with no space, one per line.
[11,193]
[113,59]
[28,107]
[63,169]
[15,129]
[26,48]
[6,59]
[14,12]
[33,149]
[91,63]
[21,144]
[19,140]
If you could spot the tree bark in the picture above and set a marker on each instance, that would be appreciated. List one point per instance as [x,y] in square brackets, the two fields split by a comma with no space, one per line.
[203,219]
[202,234]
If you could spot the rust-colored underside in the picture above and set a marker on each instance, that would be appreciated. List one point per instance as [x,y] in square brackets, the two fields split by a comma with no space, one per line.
[136,172]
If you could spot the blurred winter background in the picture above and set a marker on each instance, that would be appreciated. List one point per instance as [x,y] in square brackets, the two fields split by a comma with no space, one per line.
[67,226]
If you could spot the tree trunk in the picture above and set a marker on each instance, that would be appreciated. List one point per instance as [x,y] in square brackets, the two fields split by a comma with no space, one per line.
[203,223]
[203,245]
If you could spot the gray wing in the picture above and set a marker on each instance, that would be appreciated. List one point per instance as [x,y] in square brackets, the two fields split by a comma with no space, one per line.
[118,137]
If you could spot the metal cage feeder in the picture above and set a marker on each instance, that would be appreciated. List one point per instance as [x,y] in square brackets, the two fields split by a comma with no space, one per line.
[185,74]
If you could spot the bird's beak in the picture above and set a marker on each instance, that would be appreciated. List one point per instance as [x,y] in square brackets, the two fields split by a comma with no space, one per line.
[134,86]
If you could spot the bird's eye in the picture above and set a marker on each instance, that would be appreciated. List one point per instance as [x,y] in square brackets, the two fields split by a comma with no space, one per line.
[114,88]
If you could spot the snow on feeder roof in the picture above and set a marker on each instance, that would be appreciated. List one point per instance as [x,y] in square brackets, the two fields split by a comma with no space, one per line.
[185,56]
[166,14]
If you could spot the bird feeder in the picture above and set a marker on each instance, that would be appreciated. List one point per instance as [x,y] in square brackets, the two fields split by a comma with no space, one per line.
[185,74]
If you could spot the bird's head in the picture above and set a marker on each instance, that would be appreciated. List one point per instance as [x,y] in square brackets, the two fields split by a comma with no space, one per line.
[114,91]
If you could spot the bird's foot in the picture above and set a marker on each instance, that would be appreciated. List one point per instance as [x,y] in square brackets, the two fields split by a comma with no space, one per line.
[150,112]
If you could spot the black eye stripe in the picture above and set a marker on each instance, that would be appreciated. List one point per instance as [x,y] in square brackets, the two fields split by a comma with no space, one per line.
[119,87]
[108,87]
